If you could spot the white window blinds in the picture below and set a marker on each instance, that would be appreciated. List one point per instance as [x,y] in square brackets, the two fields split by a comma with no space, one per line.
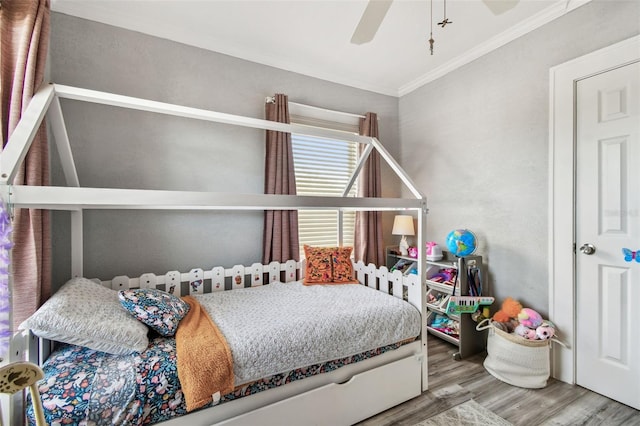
[324,167]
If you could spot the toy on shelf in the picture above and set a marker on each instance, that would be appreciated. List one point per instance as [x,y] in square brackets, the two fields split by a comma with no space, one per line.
[461,242]
[436,299]
[446,325]
[467,304]
[434,252]
[445,275]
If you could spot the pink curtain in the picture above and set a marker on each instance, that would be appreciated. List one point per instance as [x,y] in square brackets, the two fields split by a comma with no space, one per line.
[24,32]
[368,230]
[280,226]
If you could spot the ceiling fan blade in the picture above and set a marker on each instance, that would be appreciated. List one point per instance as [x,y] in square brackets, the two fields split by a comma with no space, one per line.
[370,21]
[499,7]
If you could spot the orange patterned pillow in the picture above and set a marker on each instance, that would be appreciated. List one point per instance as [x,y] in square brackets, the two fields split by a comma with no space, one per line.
[318,269]
[342,266]
[328,265]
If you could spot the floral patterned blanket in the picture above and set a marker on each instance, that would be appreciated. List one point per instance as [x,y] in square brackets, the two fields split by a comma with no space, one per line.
[83,386]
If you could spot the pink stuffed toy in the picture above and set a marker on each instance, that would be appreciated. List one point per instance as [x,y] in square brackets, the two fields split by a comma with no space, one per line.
[526,332]
[545,331]
[530,318]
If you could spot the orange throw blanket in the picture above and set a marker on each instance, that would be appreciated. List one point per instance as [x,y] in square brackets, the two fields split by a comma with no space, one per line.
[205,365]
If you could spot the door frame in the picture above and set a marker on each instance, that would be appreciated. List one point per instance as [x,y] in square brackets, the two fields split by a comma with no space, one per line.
[563,79]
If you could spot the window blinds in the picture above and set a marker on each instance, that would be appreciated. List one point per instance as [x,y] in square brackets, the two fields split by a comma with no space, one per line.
[323,167]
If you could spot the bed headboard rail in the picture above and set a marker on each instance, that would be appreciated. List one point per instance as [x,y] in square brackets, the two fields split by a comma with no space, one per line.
[218,278]
[199,281]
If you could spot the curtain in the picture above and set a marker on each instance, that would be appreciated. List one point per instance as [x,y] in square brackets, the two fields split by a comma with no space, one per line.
[280,242]
[368,230]
[24,34]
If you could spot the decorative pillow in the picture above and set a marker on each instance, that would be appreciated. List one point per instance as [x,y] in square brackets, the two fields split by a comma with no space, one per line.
[318,269]
[328,265]
[158,309]
[342,266]
[85,313]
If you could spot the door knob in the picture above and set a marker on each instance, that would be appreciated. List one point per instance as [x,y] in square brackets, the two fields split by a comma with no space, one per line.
[588,248]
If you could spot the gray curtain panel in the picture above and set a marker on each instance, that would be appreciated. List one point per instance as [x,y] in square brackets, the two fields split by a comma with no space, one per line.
[368,230]
[280,241]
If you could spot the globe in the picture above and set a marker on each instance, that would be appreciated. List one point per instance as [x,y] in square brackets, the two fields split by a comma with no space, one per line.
[461,242]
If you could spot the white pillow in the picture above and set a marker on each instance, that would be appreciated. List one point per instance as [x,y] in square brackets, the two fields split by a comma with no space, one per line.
[85,313]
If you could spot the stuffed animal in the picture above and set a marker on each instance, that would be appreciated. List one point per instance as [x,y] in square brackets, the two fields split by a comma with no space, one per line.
[530,318]
[510,309]
[545,331]
[505,318]
[526,332]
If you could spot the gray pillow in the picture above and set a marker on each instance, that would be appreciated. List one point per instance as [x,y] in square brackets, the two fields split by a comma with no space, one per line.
[85,313]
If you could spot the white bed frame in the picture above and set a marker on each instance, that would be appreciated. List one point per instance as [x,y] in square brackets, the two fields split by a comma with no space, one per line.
[343,396]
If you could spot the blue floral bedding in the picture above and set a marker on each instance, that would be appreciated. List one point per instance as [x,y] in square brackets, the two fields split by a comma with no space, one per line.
[84,386]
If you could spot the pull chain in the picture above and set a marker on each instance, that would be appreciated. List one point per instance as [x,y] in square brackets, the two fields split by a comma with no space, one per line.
[431,40]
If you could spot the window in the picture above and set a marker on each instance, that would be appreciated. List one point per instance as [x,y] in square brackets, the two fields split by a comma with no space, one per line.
[324,167]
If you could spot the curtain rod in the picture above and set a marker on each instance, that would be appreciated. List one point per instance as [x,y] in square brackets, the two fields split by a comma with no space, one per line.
[272,99]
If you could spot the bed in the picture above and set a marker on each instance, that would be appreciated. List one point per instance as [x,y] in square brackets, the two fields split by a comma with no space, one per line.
[387,371]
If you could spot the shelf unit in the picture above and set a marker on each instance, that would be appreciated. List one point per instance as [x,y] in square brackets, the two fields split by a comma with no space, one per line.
[393,256]
[468,340]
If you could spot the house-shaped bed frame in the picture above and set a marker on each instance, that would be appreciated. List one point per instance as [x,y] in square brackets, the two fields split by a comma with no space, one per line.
[376,384]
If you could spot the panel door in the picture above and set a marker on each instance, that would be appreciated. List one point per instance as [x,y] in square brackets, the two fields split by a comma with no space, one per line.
[607,223]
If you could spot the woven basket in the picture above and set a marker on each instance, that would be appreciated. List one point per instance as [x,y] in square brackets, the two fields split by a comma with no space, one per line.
[515,360]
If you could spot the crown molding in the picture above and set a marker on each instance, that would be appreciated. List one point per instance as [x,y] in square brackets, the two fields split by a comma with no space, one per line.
[544,17]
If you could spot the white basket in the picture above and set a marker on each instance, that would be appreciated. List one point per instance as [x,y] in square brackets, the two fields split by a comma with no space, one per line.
[515,360]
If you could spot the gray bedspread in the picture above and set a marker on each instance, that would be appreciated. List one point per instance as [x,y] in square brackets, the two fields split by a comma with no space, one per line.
[283,326]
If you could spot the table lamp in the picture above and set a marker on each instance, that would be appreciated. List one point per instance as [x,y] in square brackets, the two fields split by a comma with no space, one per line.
[403,225]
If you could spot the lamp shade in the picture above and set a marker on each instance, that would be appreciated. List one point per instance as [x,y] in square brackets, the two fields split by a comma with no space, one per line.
[403,225]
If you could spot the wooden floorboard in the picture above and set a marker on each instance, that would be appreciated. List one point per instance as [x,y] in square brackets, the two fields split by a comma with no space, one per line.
[454,382]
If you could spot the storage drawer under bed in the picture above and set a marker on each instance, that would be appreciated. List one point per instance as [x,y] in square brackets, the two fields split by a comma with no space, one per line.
[362,396]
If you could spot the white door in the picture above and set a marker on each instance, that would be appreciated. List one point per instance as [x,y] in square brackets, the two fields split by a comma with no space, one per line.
[607,222]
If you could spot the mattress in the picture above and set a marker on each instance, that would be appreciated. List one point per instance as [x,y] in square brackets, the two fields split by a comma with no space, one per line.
[277,334]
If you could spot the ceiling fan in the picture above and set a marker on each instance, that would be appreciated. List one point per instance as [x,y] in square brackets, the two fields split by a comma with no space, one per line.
[376,10]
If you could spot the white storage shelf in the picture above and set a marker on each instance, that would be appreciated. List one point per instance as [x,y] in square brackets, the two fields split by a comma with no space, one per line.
[442,287]
[440,303]
[455,339]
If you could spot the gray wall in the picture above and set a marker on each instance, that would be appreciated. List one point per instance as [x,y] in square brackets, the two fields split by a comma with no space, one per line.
[476,142]
[126,149]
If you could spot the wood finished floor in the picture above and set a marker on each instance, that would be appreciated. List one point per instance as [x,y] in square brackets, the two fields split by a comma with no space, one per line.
[454,382]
